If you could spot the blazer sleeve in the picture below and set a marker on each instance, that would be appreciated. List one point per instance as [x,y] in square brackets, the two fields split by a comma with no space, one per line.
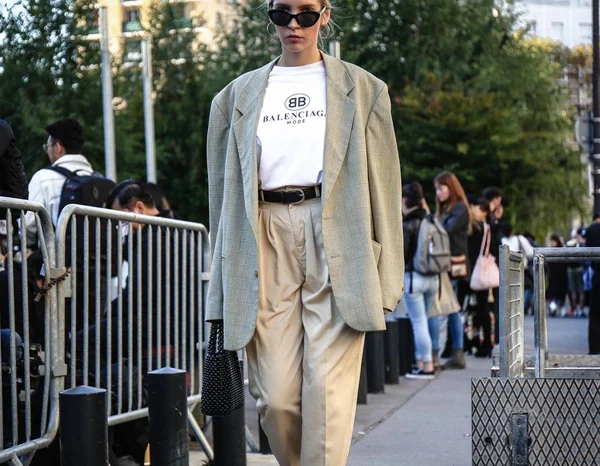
[216,150]
[386,198]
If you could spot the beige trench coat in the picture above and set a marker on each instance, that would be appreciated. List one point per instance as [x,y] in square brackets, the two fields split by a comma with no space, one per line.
[362,214]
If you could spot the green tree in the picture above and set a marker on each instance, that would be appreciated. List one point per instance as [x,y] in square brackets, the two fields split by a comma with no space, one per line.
[45,74]
[182,70]
[472,94]
[245,44]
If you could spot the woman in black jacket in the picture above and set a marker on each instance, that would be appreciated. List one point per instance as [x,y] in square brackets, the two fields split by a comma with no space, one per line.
[13,181]
[453,211]
[479,300]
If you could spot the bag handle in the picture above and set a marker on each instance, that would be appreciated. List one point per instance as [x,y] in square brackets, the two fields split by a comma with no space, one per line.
[215,339]
[486,241]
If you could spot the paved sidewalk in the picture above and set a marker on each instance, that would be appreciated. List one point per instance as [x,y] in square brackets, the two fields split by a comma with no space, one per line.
[428,423]
[432,428]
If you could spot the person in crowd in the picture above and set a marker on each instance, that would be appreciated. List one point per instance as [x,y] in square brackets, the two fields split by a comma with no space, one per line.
[143,270]
[13,181]
[64,147]
[452,208]
[15,288]
[588,273]
[529,274]
[160,200]
[592,240]
[516,243]
[305,215]
[575,277]
[420,290]
[494,196]
[479,301]
[525,245]
[557,289]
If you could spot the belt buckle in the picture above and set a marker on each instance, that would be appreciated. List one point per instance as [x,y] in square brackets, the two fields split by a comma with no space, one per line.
[302,196]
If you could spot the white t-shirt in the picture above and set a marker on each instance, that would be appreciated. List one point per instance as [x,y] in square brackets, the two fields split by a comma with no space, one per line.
[291,130]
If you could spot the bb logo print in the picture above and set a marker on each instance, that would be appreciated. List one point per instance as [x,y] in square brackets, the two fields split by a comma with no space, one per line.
[297,102]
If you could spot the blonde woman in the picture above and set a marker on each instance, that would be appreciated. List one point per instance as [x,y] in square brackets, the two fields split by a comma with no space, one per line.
[305,220]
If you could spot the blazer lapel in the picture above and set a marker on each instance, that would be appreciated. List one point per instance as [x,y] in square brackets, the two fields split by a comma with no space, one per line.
[248,106]
[339,121]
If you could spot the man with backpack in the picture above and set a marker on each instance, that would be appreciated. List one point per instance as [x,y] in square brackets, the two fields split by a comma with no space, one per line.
[71,179]
[64,147]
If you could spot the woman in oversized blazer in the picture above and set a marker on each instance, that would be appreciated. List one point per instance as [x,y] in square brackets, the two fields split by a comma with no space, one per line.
[301,269]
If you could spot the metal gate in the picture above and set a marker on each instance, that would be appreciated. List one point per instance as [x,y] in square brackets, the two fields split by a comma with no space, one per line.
[33,366]
[542,409]
[151,318]
[164,263]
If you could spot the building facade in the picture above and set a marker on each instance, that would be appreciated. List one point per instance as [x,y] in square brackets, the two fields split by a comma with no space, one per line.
[567,21]
[128,19]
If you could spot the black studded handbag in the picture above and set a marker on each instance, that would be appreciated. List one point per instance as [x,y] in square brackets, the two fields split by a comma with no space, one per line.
[222,382]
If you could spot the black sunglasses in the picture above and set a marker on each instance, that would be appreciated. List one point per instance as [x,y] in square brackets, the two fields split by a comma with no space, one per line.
[305,19]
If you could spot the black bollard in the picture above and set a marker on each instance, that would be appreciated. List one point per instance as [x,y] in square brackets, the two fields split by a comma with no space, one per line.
[392,354]
[375,362]
[229,438]
[83,427]
[406,345]
[362,385]
[167,417]
[263,440]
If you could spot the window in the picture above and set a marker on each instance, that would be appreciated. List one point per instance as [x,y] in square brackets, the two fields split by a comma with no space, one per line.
[557,30]
[133,50]
[585,33]
[132,15]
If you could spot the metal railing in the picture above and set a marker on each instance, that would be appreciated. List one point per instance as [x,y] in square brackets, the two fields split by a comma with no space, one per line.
[513,362]
[521,417]
[33,370]
[512,313]
[560,366]
[124,294]
[152,317]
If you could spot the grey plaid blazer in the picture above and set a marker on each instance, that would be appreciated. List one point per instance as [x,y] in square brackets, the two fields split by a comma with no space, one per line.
[362,214]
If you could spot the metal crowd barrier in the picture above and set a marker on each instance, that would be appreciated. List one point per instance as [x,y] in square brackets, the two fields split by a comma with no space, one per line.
[542,409]
[545,364]
[33,369]
[152,318]
[512,314]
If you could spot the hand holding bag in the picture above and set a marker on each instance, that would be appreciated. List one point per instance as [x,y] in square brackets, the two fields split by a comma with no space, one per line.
[222,383]
[445,301]
[486,274]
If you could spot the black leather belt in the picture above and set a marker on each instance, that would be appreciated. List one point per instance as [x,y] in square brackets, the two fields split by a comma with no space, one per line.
[292,196]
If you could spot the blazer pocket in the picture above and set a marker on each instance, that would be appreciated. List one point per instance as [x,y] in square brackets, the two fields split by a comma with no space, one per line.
[376,250]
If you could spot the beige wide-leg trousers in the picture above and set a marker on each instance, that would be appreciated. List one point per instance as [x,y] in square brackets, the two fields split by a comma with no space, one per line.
[304,360]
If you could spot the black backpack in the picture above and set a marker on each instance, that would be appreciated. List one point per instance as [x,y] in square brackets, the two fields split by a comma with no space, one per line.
[90,190]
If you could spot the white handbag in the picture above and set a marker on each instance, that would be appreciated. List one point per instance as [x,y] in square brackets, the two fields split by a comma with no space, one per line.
[486,274]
